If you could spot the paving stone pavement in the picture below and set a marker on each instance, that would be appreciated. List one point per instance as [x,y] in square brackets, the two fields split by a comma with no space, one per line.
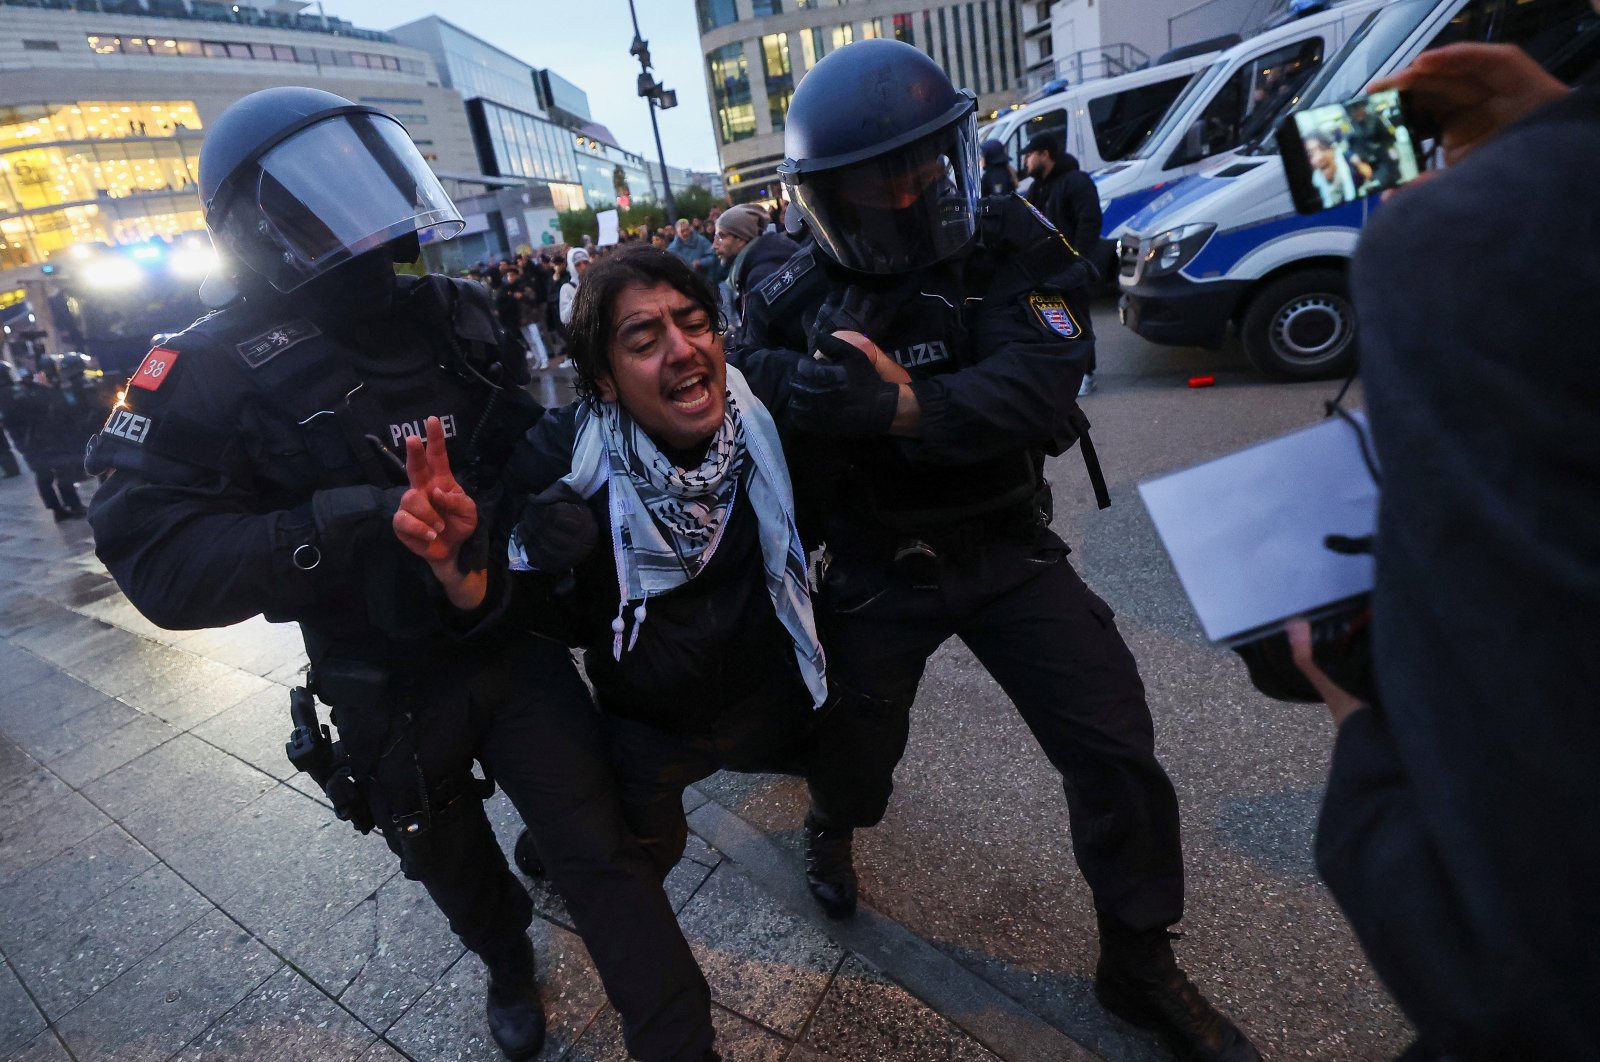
[170,889]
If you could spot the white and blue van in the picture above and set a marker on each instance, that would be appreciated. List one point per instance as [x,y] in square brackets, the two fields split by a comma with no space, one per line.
[1224,248]
[1098,121]
[1228,103]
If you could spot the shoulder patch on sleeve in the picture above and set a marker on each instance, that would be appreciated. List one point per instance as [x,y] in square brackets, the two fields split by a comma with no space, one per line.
[156,369]
[786,277]
[1051,312]
[258,350]
[128,426]
[1036,212]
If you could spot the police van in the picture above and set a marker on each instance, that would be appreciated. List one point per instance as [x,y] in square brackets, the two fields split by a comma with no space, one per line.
[1230,102]
[1224,248]
[1098,121]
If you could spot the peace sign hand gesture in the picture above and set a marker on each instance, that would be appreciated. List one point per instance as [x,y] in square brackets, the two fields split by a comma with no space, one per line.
[436,516]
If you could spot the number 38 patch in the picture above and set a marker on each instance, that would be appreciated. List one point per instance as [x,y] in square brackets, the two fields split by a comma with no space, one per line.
[1052,313]
[155,369]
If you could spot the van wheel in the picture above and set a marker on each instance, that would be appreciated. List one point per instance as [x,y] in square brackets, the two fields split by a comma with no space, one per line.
[1302,326]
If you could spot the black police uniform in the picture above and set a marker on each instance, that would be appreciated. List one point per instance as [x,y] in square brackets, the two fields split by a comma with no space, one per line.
[254,469]
[947,534]
[8,457]
[52,421]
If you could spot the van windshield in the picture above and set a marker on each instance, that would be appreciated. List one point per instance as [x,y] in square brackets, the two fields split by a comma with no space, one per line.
[1357,63]
[1199,84]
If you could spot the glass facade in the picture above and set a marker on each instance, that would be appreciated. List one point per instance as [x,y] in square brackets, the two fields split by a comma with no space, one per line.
[780,76]
[476,69]
[199,48]
[714,13]
[109,171]
[609,174]
[526,146]
[763,8]
[730,91]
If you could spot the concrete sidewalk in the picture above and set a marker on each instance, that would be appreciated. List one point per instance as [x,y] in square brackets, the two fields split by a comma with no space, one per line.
[169,888]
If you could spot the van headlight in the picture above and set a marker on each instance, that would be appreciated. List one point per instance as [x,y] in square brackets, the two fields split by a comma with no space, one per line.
[1168,252]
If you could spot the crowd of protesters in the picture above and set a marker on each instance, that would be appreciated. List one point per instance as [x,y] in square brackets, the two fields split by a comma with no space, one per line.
[534,292]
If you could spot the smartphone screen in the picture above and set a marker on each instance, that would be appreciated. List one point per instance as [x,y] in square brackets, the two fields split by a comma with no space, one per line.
[1343,151]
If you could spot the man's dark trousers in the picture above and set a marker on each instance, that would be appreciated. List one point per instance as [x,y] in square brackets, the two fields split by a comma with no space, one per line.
[1053,646]
[522,711]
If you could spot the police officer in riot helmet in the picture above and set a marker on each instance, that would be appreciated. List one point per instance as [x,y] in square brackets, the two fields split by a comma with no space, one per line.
[9,469]
[936,340]
[256,465]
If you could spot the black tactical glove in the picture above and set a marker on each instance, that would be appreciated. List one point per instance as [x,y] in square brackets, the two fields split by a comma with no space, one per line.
[855,309]
[843,396]
[557,528]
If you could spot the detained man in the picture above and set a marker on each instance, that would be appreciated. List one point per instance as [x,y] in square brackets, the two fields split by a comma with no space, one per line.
[659,534]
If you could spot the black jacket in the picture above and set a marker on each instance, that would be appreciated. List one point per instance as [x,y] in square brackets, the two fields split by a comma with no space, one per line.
[1460,832]
[765,256]
[1067,197]
[995,350]
[257,469]
[702,647]
[998,179]
[50,424]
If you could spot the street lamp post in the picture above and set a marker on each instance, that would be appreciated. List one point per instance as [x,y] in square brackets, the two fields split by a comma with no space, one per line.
[660,98]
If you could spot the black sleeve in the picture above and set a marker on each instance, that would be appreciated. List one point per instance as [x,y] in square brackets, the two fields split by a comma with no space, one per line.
[1449,968]
[1084,209]
[1032,343]
[771,339]
[188,544]
[179,523]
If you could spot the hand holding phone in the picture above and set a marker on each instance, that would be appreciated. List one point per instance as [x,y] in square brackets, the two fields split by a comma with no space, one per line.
[1472,91]
[1338,153]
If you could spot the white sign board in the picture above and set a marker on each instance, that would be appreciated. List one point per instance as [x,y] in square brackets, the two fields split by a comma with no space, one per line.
[608,227]
[1247,532]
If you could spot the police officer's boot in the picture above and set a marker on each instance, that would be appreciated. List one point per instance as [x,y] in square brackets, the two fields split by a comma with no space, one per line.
[830,869]
[516,1015]
[1139,981]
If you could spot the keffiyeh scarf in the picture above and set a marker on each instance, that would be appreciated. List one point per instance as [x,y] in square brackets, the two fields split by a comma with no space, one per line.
[666,522]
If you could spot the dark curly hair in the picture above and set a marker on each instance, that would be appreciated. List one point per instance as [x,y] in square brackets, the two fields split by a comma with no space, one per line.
[589,335]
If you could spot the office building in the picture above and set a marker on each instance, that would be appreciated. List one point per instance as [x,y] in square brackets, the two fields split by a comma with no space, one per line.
[530,123]
[756,52]
[104,114]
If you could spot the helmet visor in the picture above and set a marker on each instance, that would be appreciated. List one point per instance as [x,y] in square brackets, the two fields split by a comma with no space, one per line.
[332,191]
[898,211]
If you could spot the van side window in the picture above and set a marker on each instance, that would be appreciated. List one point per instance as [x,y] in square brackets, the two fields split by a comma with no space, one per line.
[1563,35]
[1122,120]
[1247,102]
[1049,122]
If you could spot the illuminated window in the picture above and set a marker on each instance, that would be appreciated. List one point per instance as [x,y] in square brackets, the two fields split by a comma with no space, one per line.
[872,29]
[780,76]
[714,13]
[730,89]
[816,43]
[905,29]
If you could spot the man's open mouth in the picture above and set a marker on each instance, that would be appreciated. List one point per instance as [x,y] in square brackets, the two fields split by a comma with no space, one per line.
[692,395]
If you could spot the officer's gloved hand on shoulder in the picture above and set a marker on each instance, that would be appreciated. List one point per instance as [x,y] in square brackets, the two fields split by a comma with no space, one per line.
[844,395]
[557,528]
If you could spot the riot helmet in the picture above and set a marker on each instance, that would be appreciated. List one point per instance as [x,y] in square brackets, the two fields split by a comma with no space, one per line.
[296,182]
[882,158]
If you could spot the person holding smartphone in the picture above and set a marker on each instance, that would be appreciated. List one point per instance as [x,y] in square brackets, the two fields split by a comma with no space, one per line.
[1459,832]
